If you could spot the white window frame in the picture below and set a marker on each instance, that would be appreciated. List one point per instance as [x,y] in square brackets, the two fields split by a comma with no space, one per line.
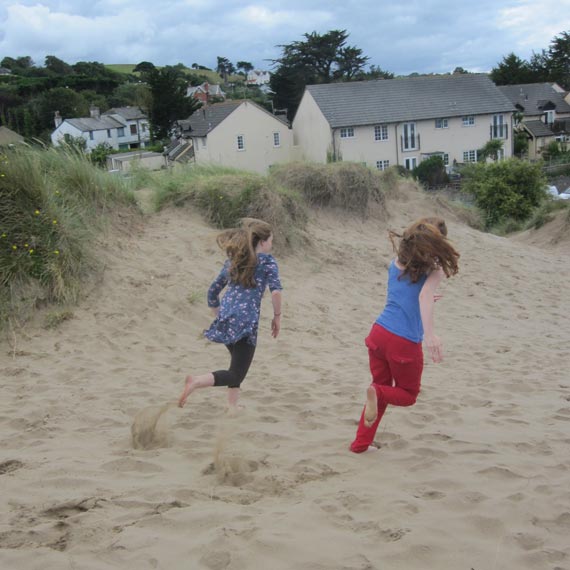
[276,139]
[410,162]
[382,164]
[445,159]
[550,116]
[468,121]
[499,127]
[443,123]
[91,136]
[409,136]
[120,132]
[240,142]
[380,133]
[347,133]
[500,154]
[469,156]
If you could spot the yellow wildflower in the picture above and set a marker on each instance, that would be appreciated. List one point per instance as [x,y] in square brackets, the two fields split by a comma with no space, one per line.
[37,212]
[14,247]
[56,252]
[54,222]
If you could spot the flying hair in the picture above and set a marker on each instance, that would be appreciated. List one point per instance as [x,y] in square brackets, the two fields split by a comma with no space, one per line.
[239,245]
[423,248]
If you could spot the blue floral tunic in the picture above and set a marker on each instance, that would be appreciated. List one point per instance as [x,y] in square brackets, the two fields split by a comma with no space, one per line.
[240,306]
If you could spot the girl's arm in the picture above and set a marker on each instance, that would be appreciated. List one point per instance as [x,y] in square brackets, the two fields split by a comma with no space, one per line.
[276,322]
[216,288]
[427,300]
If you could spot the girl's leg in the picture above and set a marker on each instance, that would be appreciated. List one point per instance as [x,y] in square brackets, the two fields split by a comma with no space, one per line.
[193,383]
[242,355]
[368,424]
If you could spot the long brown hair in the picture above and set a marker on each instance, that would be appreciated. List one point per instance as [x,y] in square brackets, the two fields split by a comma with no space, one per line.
[239,245]
[424,248]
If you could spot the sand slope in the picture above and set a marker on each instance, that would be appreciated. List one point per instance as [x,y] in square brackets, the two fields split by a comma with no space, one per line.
[475,476]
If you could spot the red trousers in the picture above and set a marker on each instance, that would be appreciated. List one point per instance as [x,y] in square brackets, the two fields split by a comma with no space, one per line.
[396,365]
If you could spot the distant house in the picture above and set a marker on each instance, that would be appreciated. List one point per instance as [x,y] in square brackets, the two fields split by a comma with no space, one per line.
[123,128]
[144,159]
[391,122]
[239,134]
[544,113]
[9,137]
[258,77]
[206,92]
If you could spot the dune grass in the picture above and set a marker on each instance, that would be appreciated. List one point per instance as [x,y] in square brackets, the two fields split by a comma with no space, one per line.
[52,204]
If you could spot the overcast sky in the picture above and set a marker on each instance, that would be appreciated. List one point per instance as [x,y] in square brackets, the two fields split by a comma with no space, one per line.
[399,36]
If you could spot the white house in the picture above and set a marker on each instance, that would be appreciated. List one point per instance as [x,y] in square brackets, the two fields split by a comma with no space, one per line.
[258,77]
[403,121]
[240,134]
[122,128]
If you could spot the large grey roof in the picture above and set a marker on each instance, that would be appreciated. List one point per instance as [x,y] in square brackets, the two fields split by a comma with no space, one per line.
[408,99]
[128,113]
[204,120]
[85,124]
[532,97]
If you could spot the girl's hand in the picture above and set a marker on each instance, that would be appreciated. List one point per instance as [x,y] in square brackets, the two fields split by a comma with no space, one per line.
[434,347]
[275,326]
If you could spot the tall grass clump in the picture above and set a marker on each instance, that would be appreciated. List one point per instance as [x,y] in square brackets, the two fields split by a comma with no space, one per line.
[51,203]
[345,185]
[225,195]
[545,213]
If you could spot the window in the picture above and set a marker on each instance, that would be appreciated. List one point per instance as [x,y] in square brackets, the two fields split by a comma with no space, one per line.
[347,133]
[123,146]
[500,154]
[499,128]
[108,133]
[381,133]
[468,121]
[133,129]
[441,124]
[240,142]
[276,140]
[382,164]
[410,163]
[470,156]
[121,132]
[445,159]
[91,137]
[409,139]
[144,127]
[204,142]
[549,117]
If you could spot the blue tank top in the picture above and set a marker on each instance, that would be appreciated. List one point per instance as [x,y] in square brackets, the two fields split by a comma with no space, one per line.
[401,315]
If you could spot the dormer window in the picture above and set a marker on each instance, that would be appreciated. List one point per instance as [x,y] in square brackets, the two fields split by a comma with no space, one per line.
[549,117]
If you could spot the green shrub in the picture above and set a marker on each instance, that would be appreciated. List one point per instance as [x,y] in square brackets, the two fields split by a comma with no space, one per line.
[507,189]
[431,172]
[545,213]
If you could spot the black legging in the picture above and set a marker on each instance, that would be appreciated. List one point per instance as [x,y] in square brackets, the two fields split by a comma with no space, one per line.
[242,354]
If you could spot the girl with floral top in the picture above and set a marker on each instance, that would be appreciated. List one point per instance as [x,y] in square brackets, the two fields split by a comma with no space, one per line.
[248,271]
[424,257]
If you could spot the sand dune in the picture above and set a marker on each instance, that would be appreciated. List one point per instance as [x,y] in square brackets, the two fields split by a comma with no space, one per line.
[475,476]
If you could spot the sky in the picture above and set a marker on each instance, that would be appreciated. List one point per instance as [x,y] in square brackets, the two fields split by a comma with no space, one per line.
[423,36]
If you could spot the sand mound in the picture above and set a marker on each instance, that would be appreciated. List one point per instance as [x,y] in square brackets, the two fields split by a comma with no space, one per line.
[475,475]
[555,234]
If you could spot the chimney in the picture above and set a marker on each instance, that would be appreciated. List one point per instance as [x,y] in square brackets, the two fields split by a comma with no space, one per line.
[94,112]
[57,119]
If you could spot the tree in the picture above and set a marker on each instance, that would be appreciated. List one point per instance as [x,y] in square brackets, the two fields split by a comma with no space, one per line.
[133,94]
[511,71]
[144,67]
[225,68]
[507,189]
[245,67]
[374,72]
[431,172]
[460,71]
[169,101]
[316,59]
[68,102]
[490,150]
[559,60]
[57,66]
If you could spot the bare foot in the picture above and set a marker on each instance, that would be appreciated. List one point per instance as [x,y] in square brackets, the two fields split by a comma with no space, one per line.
[189,387]
[235,410]
[371,408]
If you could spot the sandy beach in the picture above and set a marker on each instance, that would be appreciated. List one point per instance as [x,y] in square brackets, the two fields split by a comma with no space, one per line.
[475,476]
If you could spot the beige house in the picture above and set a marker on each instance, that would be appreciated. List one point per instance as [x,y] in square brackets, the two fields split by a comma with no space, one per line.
[391,122]
[240,134]
[543,113]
